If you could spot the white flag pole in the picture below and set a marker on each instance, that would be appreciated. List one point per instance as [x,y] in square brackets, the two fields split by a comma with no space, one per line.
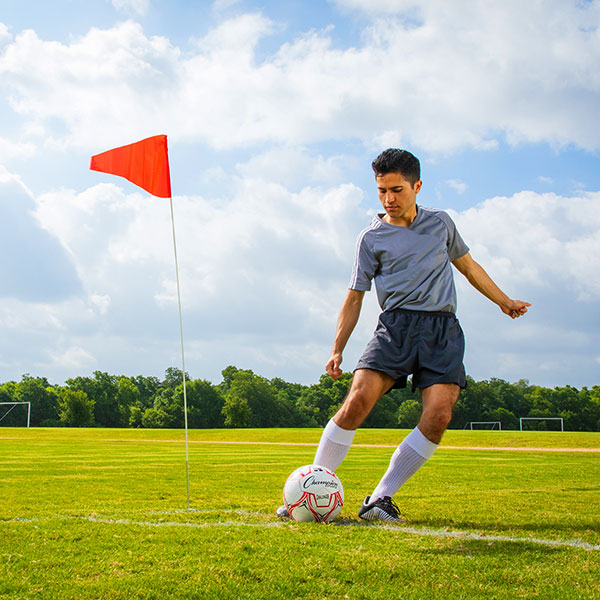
[185,410]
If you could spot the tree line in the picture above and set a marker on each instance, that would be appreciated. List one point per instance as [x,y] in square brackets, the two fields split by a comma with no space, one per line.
[245,399]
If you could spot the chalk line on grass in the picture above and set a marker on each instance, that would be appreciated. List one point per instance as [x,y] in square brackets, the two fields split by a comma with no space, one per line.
[187,524]
[424,531]
[441,533]
[315,444]
[417,531]
[484,537]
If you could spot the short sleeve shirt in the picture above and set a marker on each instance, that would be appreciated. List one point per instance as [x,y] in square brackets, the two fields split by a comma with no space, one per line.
[411,265]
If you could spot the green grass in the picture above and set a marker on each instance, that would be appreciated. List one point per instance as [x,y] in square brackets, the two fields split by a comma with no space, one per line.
[98,513]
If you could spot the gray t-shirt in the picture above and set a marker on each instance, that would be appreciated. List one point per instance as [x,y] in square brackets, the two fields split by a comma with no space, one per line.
[411,265]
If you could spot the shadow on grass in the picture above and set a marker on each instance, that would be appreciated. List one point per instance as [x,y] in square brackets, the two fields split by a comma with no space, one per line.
[485,548]
[484,528]
[481,536]
[539,528]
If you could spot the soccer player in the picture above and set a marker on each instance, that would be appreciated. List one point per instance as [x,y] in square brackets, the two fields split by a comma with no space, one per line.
[408,251]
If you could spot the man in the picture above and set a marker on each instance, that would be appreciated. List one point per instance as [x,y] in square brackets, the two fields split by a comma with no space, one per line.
[408,250]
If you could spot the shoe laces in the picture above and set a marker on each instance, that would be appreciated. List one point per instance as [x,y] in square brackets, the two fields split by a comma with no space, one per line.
[391,507]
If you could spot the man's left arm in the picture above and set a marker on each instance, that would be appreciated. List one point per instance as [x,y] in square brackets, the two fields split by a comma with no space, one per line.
[483,283]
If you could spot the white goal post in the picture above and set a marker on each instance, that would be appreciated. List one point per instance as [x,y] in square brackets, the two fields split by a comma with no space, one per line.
[14,404]
[521,419]
[492,423]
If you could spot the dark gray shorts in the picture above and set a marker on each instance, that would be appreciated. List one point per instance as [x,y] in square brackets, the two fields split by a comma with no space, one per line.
[427,345]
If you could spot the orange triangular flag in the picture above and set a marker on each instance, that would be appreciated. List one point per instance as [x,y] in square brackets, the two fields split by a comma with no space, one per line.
[144,163]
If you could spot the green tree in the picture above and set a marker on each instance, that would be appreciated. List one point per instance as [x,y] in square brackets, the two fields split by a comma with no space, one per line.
[287,398]
[76,409]
[260,397]
[468,407]
[8,391]
[170,405]
[147,387]
[506,418]
[103,389]
[228,373]
[409,414]
[128,396]
[590,413]
[236,411]
[174,378]
[154,418]
[319,402]
[43,398]
[384,414]
[10,418]
[205,404]
[135,417]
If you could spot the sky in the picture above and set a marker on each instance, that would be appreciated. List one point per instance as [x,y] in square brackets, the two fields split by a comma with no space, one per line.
[274,111]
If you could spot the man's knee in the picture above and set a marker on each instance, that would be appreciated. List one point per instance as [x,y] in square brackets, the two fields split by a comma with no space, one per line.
[354,410]
[438,419]
[438,405]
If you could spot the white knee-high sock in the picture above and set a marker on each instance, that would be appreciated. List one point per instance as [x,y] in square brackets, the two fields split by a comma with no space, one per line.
[409,457]
[334,445]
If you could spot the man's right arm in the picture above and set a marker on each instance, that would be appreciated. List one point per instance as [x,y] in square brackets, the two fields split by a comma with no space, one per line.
[346,323]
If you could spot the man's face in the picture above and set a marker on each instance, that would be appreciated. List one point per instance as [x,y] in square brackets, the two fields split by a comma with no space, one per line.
[398,198]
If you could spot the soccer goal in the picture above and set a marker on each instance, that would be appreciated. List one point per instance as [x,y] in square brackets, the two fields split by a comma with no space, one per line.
[521,419]
[493,424]
[13,405]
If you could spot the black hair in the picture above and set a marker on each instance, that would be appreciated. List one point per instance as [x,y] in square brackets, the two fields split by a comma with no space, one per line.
[394,160]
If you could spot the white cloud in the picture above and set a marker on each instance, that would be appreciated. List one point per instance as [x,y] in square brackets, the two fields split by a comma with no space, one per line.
[541,241]
[264,270]
[545,180]
[221,5]
[102,301]
[74,359]
[139,7]
[460,187]
[5,35]
[11,149]
[8,177]
[438,81]
[293,166]
[544,249]
[389,7]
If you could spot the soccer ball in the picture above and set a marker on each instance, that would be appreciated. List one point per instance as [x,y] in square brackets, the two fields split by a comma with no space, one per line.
[313,493]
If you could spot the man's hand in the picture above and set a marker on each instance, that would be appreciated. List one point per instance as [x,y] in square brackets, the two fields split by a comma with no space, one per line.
[346,322]
[515,308]
[333,365]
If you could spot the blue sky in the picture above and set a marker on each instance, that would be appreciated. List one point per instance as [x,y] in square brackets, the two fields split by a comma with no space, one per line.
[274,111]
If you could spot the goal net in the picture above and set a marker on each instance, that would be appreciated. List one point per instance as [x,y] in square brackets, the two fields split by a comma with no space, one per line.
[19,418]
[560,419]
[483,425]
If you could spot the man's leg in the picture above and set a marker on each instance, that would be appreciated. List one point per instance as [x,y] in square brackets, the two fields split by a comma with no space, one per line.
[420,444]
[366,389]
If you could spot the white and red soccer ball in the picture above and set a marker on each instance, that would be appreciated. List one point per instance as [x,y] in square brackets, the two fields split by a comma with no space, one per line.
[313,493]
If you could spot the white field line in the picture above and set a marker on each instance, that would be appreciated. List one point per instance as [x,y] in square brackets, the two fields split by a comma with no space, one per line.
[315,444]
[467,535]
[418,531]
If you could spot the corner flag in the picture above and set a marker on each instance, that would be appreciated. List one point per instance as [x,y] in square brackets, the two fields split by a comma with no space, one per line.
[145,163]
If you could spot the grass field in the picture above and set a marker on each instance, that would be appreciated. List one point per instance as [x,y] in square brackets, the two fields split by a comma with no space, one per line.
[96,513]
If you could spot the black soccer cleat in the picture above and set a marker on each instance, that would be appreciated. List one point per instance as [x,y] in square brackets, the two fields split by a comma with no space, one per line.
[383,509]
[282,512]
